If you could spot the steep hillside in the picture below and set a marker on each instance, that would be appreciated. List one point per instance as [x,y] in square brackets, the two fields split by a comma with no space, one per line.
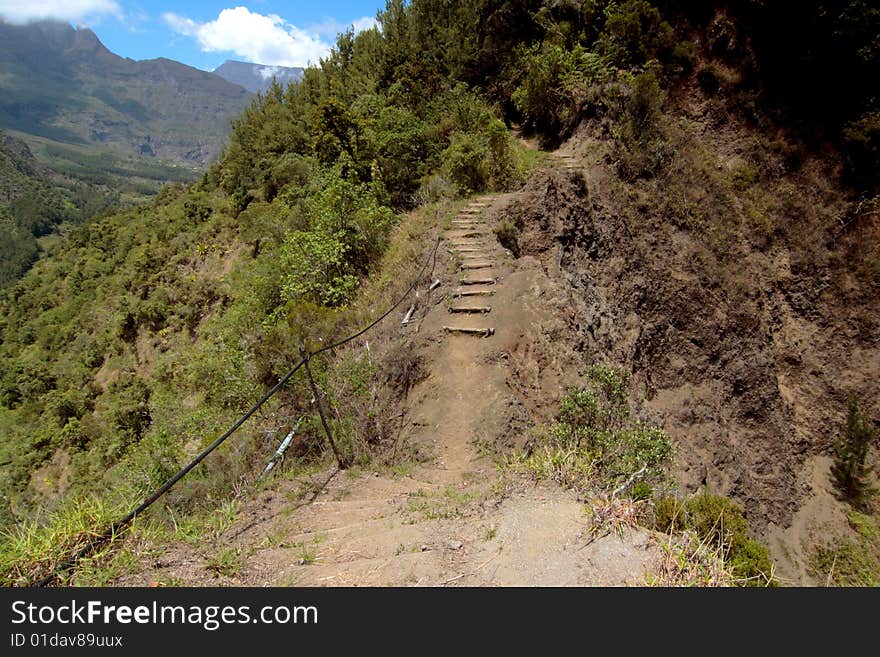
[62,84]
[672,324]
[34,201]
[257,77]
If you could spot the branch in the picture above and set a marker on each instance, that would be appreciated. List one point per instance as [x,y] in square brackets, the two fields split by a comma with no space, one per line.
[629,482]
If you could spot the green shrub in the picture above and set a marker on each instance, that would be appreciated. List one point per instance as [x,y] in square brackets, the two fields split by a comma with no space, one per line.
[862,137]
[641,146]
[130,405]
[465,162]
[595,440]
[850,562]
[718,522]
[315,268]
[554,85]
[635,34]
[850,470]
[508,236]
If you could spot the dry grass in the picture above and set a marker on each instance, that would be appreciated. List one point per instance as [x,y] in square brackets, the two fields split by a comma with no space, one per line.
[686,560]
[613,515]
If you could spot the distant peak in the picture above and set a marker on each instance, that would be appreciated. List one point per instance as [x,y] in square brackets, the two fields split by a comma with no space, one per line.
[57,35]
[257,77]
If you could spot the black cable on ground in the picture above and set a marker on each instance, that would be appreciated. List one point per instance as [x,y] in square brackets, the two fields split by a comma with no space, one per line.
[120,524]
[114,529]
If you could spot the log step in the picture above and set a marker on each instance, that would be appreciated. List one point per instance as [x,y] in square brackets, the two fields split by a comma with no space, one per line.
[477,281]
[473,293]
[477,265]
[475,234]
[473,310]
[484,332]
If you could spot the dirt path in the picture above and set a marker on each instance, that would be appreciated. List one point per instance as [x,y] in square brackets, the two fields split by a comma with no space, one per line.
[486,338]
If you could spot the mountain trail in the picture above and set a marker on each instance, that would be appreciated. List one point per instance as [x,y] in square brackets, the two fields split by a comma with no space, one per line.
[454,520]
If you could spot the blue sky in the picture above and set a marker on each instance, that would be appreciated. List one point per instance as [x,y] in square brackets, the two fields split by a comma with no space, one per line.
[205,34]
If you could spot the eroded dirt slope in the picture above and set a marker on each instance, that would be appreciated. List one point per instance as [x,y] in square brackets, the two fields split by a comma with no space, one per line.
[747,352]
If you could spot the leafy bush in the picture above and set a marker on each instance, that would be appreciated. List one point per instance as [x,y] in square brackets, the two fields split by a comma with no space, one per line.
[640,144]
[465,163]
[434,188]
[315,268]
[718,521]
[508,236]
[347,230]
[862,137]
[595,440]
[851,562]
[554,86]
[635,33]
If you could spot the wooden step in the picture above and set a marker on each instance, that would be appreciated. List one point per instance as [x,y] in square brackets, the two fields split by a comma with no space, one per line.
[477,265]
[472,310]
[473,293]
[473,244]
[483,332]
[477,281]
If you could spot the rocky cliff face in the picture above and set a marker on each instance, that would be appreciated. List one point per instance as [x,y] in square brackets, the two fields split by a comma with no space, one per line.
[745,343]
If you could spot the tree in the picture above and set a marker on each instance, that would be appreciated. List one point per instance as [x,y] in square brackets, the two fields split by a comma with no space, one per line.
[851,473]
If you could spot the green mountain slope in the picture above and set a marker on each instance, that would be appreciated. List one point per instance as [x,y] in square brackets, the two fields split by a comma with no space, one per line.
[61,83]
[34,202]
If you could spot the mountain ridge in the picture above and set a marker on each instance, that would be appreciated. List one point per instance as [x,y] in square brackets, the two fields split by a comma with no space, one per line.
[258,77]
[62,83]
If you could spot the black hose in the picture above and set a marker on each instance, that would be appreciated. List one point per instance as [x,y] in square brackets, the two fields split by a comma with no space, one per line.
[120,524]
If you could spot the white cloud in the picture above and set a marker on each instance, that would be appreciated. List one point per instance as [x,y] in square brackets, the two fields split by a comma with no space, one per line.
[17,11]
[330,27]
[264,39]
[266,72]
[364,23]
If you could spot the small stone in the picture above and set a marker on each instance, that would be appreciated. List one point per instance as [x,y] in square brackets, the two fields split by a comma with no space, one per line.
[425,548]
[455,545]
